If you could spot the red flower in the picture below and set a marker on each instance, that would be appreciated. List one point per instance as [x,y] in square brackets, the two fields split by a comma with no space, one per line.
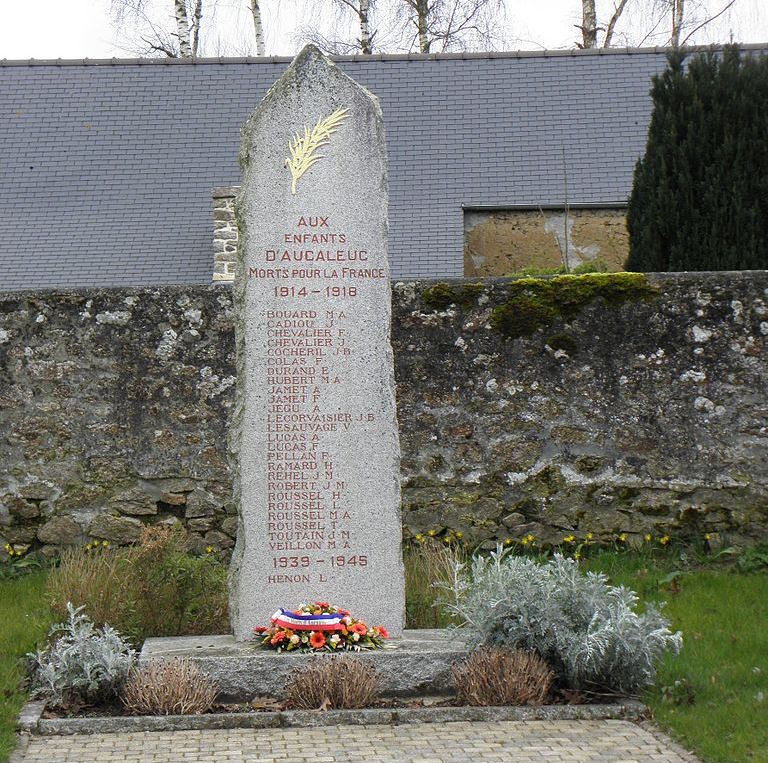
[322,604]
[259,629]
[382,631]
[359,627]
[277,638]
[317,640]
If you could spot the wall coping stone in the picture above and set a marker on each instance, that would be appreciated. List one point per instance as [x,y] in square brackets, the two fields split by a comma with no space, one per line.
[686,277]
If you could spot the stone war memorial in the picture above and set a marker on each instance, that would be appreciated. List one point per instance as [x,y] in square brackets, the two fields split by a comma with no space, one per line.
[314,442]
[314,445]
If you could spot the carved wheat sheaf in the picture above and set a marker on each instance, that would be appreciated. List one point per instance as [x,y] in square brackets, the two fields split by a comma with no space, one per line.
[304,148]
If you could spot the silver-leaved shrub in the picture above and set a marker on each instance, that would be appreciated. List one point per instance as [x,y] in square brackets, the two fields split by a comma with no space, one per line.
[82,665]
[587,630]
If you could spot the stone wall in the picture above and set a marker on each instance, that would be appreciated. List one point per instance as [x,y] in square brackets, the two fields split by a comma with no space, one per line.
[632,412]
[225,233]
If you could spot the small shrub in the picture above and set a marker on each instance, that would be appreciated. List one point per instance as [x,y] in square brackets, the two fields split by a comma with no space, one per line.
[534,271]
[427,565]
[155,588]
[16,562]
[332,684]
[591,266]
[493,676]
[753,559]
[587,630]
[83,666]
[98,580]
[172,687]
[679,693]
[177,593]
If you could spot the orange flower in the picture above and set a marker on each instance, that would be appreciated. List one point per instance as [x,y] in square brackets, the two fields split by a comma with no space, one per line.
[277,638]
[360,628]
[316,640]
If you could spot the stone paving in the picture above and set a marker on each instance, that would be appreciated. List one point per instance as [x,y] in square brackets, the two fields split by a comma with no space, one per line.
[509,741]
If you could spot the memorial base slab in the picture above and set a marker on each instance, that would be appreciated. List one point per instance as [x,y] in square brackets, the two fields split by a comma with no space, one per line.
[418,664]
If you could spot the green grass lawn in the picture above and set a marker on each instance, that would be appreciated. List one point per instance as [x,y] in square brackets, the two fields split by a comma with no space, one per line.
[24,618]
[724,619]
[723,615]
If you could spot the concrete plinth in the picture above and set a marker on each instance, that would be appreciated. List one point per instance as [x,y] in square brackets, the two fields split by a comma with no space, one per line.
[419,663]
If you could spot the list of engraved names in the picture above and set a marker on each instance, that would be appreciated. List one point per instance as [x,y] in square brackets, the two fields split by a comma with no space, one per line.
[317,273]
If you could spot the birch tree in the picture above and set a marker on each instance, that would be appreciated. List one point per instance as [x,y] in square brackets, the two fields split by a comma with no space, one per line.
[152,35]
[663,22]
[673,23]
[354,29]
[174,28]
[590,29]
[258,26]
[439,26]
[588,24]
[688,18]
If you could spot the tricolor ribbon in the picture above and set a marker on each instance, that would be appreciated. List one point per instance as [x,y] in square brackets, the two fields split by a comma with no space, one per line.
[288,619]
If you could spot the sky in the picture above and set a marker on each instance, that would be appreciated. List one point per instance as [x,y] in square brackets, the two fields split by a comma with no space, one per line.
[85,28]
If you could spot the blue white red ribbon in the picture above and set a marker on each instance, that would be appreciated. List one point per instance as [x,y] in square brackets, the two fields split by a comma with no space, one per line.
[288,619]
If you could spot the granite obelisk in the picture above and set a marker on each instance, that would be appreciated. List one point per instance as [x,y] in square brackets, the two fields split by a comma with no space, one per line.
[314,442]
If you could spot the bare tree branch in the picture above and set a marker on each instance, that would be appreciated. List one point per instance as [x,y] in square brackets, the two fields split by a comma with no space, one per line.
[451,24]
[651,32]
[159,48]
[176,27]
[611,28]
[359,12]
[707,21]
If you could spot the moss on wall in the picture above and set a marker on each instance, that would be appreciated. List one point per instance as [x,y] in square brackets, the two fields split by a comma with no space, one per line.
[442,295]
[537,302]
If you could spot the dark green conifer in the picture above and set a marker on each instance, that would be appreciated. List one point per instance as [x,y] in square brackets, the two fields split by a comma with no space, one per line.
[700,194]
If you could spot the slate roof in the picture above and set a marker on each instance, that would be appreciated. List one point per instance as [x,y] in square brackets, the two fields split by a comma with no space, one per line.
[107,166]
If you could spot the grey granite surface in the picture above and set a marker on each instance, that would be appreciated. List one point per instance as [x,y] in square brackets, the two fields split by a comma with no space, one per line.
[314,441]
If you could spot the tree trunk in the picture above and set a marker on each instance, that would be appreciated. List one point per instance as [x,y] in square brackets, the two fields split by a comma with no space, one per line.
[196,21]
[182,28]
[678,12]
[258,28]
[612,23]
[588,24]
[365,32]
[422,11]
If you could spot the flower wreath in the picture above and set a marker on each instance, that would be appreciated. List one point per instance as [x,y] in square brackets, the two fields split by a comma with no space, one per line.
[318,627]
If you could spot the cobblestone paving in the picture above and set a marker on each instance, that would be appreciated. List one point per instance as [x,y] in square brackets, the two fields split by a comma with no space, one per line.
[508,741]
